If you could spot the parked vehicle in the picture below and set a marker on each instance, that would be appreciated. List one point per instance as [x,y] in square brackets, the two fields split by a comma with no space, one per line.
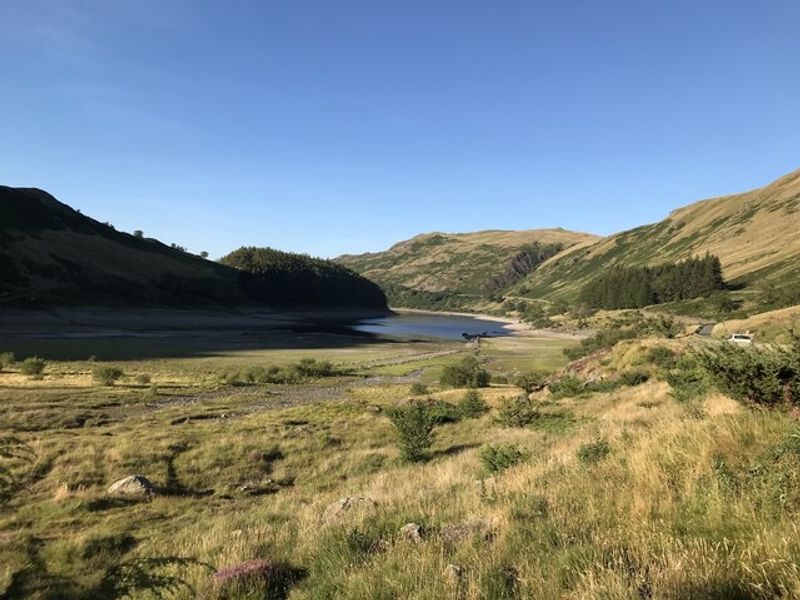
[740,338]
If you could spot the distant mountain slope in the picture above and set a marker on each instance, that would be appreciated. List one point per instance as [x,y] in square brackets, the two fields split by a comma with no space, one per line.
[51,254]
[433,269]
[756,235]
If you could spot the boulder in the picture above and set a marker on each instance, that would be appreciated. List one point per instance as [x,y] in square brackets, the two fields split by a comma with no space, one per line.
[412,532]
[135,485]
[460,532]
[347,505]
[452,574]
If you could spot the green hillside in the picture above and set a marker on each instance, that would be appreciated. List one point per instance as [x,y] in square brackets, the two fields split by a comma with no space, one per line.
[441,270]
[51,254]
[755,235]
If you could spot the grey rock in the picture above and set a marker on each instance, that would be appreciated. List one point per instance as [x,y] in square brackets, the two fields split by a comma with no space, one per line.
[412,532]
[452,574]
[460,532]
[135,485]
[347,505]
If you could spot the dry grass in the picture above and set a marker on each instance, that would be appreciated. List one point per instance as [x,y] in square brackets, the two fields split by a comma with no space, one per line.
[687,504]
[773,326]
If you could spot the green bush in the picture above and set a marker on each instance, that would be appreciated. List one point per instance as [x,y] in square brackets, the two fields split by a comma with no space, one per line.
[107,374]
[472,405]
[593,452]
[499,458]
[34,367]
[418,389]
[7,359]
[519,411]
[566,387]
[306,368]
[414,425]
[756,375]
[443,412]
[689,380]
[662,357]
[311,367]
[634,377]
[531,382]
[143,379]
[467,373]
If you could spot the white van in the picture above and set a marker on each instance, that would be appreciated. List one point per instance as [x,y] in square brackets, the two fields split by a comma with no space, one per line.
[741,338]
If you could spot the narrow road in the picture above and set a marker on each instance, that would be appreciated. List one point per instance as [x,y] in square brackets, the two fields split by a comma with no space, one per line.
[705,329]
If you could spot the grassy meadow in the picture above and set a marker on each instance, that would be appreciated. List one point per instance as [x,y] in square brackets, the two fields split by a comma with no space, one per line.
[626,493]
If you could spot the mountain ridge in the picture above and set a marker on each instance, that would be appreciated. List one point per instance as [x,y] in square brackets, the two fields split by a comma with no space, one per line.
[754,233]
[51,254]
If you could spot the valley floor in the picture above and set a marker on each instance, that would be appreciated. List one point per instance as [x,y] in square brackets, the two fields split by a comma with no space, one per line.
[624,494]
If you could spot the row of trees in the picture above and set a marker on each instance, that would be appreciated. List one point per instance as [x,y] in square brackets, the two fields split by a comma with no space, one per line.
[635,287]
[284,277]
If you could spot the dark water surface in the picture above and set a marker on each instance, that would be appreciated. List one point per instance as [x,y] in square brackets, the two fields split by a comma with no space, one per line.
[427,325]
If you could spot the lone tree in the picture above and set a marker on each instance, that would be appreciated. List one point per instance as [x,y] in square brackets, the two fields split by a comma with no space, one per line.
[413,424]
[138,233]
[204,254]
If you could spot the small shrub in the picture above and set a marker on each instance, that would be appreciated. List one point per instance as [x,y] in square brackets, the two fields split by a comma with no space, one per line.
[107,374]
[34,367]
[531,382]
[418,389]
[467,373]
[633,378]
[593,452]
[7,359]
[519,411]
[311,367]
[689,381]
[443,412]
[566,387]
[413,424]
[254,579]
[662,357]
[143,379]
[499,458]
[472,405]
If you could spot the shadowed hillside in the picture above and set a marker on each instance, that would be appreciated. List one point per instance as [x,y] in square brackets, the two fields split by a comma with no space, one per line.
[51,254]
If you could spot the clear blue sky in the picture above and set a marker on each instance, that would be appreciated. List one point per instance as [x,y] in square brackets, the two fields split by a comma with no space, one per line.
[334,126]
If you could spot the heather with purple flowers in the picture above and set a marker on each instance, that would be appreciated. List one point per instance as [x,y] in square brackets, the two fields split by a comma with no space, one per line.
[258,578]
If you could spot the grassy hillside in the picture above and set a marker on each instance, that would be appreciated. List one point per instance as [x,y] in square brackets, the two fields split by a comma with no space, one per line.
[460,268]
[755,235]
[614,492]
[51,254]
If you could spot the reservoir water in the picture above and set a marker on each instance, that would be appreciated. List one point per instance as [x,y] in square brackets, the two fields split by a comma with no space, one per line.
[431,325]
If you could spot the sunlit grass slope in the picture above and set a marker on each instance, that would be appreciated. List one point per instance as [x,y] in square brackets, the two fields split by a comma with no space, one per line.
[626,494]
